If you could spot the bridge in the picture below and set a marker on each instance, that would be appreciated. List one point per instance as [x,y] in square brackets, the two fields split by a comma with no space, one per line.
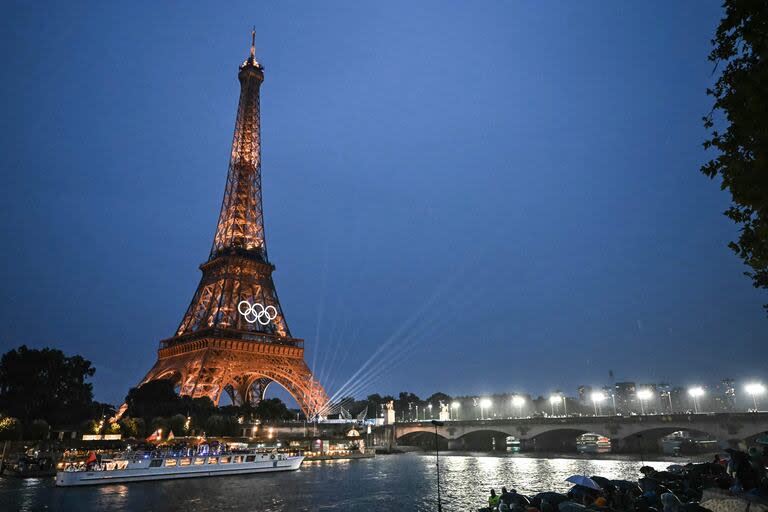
[627,433]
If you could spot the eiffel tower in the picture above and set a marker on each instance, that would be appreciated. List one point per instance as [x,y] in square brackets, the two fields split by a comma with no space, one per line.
[234,337]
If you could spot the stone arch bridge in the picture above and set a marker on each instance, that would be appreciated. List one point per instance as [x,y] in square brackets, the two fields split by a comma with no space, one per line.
[627,433]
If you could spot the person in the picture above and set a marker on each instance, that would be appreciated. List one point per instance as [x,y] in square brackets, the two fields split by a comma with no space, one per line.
[600,502]
[670,502]
[493,500]
[505,500]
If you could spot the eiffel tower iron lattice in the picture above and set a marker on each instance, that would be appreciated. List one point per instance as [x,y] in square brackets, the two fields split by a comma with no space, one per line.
[217,348]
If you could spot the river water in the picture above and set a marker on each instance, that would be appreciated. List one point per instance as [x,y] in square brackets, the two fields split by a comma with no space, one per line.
[403,482]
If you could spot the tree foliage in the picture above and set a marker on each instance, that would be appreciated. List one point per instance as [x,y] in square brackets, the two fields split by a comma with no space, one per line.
[10,429]
[270,409]
[46,384]
[38,429]
[741,97]
[158,398]
[220,425]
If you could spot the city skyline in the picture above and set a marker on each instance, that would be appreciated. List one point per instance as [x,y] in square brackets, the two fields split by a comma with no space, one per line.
[499,197]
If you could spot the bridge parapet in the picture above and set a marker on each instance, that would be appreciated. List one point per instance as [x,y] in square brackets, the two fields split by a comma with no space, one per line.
[721,426]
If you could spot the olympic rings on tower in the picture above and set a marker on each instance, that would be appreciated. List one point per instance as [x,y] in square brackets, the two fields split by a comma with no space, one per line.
[257,312]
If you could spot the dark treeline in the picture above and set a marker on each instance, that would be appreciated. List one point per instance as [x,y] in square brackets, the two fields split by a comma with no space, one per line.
[44,389]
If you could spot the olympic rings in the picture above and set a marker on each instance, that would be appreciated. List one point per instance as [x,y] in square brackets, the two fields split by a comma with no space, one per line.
[257,312]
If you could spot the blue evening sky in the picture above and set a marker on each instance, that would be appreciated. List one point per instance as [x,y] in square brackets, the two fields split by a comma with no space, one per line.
[503,195]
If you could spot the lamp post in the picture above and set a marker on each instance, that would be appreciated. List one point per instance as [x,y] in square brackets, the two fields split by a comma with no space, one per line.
[484,404]
[554,400]
[669,397]
[695,393]
[437,464]
[754,389]
[455,407]
[518,402]
[643,395]
[597,399]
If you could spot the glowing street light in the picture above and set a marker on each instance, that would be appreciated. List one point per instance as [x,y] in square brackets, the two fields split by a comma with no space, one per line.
[695,393]
[754,389]
[554,400]
[430,411]
[455,406]
[643,395]
[485,403]
[518,401]
[597,399]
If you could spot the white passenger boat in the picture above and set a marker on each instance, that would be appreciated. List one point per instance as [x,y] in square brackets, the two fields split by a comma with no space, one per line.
[139,467]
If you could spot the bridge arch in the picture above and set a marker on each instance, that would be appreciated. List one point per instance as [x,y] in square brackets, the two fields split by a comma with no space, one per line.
[489,438]
[561,438]
[423,439]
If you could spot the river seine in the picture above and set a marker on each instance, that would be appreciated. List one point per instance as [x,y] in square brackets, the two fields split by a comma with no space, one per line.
[402,482]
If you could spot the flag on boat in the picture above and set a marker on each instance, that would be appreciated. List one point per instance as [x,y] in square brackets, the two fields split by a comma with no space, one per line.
[170,436]
[155,436]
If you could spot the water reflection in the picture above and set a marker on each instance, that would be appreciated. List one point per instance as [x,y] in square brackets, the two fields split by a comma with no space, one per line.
[392,482]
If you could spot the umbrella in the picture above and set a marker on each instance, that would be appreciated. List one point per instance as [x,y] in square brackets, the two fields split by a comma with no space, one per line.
[552,497]
[583,481]
[601,481]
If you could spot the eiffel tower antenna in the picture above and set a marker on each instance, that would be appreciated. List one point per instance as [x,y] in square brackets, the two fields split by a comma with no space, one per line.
[253,42]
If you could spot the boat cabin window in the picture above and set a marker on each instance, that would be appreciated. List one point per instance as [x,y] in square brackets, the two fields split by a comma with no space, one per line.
[237,459]
[156,463]
[223,460]
[186,461]
[169,463]
[212,460]
[250,458]
[199,461]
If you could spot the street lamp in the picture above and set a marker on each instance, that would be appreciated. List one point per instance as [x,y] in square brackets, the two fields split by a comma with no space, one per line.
[554,400]
[518,402]
[695,393]
[430,410]
[485,403]
[597,398]
[754,389]
[643,395]
[669,397]
[455,406]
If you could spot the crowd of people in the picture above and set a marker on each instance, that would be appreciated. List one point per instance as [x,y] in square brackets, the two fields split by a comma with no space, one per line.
[677,489]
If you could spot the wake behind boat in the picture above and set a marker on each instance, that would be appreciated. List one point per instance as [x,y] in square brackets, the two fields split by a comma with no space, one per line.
[139,466]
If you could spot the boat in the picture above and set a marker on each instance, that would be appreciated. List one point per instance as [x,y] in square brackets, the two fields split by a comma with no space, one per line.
[138,466]
[593,443]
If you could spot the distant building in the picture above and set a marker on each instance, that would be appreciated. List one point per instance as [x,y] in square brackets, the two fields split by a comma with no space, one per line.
[585,395]
[681,402]
[725,396]
[625,394]
[665,397]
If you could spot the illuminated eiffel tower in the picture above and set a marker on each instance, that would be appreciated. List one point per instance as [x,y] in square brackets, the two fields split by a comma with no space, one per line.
[234,337]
